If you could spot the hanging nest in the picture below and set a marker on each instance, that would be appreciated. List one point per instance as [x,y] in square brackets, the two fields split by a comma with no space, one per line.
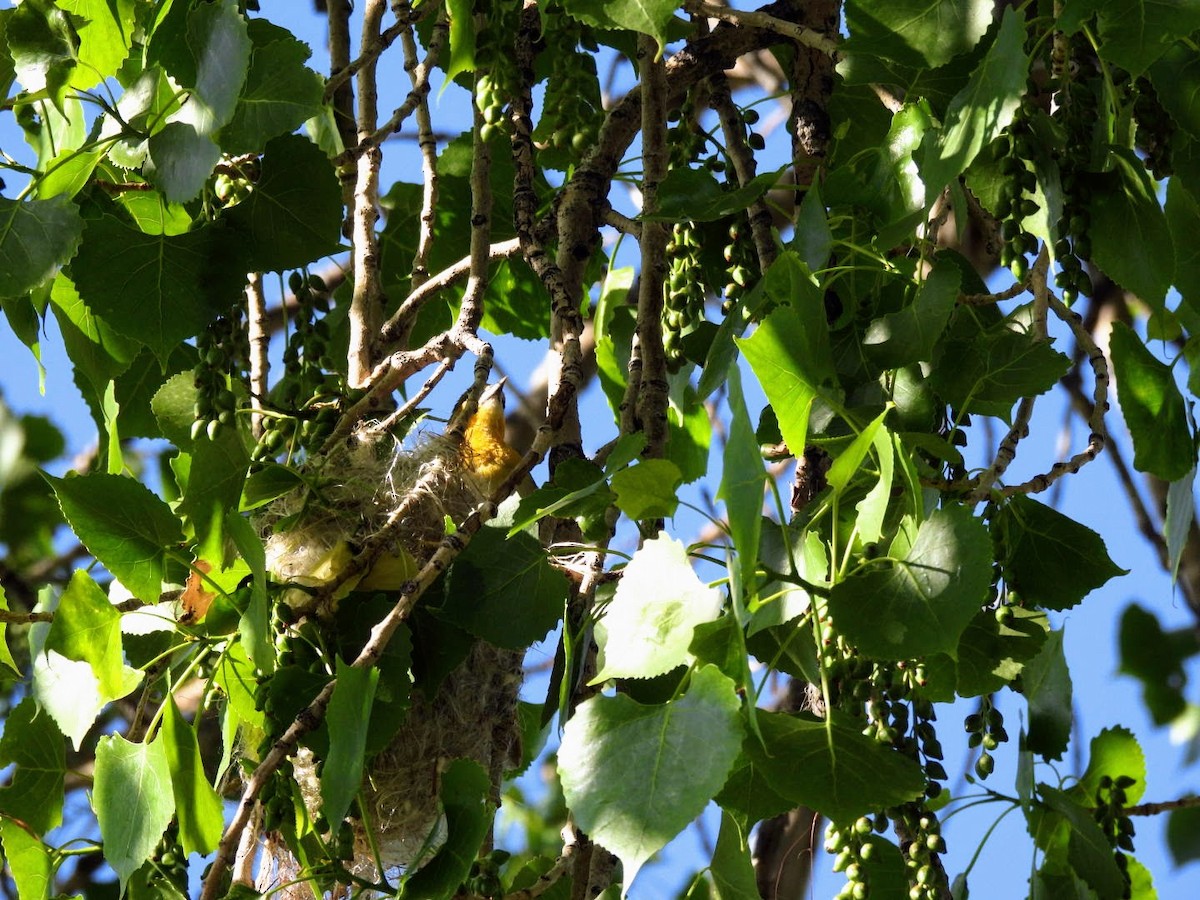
[357,495]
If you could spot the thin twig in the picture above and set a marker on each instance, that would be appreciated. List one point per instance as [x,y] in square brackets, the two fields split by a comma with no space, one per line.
[758,19]
[988,299]
[1154,809]
[386,38]
[416,97]
[338,14]
[418,74]
[1099,433]
[402,320]
[260,339]
[745,167]
[646,396]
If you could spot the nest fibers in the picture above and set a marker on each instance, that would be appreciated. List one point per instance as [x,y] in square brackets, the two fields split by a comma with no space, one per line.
[354,495]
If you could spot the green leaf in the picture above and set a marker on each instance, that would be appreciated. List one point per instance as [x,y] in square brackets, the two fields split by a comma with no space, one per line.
[992,654]
[132,798]
[1181,512]
[181,159]
[1046,684]
[1183,217]
[98,353]
[813,238]
[732,870]
[254,626]
[280,93]
[516,302]
[987,374]
[294,214]
[8,665]
[504,590]
[634,776]
[349,707]
[1156,658]
[1115,752]
[87,628]
[831,766]
[743,479]
[215,484]
[197,805]
[105,30]
[748,795]
[659,601]
[694,195]
[465,788]
[41,41]
[1088,851]
[1125,212]
[790,351]
[652,17]
[123,525]
[29,861]
[1049,559]
[920,604]
[849,461]
[270,482]
[1183,835]
[157,289]
[36,237]
[921,33]
[1176,78]
[462,39]
[220,46]
[647,490]
[909,335]
[981,110]
[173,405]
[872,509]
[1134,33]
[1153,407]
[33,793]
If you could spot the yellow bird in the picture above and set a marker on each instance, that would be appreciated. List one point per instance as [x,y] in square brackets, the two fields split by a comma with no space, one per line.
[485,451]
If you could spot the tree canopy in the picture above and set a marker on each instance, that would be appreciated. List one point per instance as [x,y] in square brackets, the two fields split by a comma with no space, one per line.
[270,635]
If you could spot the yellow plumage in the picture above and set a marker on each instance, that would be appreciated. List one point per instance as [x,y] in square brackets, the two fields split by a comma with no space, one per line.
[485,452]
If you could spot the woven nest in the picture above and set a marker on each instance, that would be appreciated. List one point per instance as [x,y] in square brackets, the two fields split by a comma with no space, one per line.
[353,498]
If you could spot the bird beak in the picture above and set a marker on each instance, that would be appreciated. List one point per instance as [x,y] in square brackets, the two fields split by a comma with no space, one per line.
[493,391]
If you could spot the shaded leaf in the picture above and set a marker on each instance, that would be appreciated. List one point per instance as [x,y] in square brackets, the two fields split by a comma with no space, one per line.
[349,707]
[988,373]
[1088,851]
[695,195]
[465,788]
[1156,658]
[743,479]
[635,776]
[909,335]
[280,93]
[1134,33]
[123,525]
[1153,407]
[157,289]
[832,767]
[34,790]
[1050,559]
[181,159]
[1125,212]
[504,590]
[197,805]
[991,654]
[920,604]
[36,237]
[1046,683]
[294,213]
[732,871]
[1183,835]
